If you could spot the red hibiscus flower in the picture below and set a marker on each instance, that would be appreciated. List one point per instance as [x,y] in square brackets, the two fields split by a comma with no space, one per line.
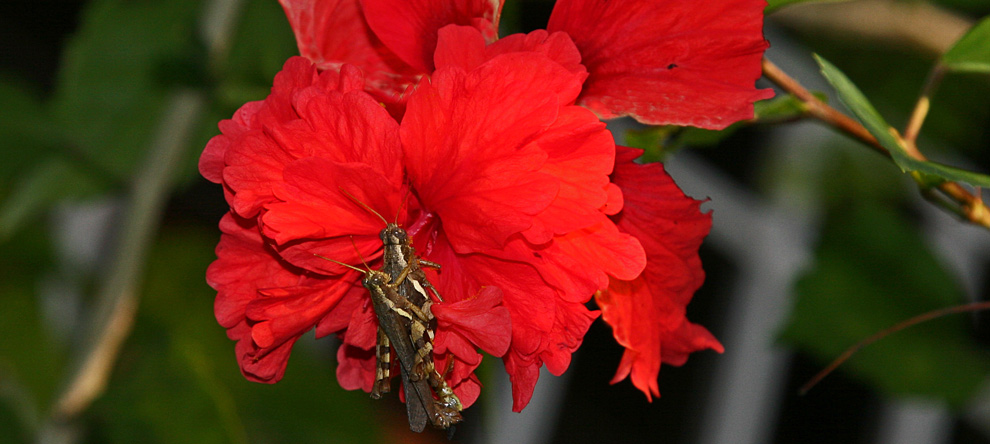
[507,181]
[494,170]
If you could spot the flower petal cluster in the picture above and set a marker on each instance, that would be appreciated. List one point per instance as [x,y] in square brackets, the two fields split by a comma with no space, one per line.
[490,152]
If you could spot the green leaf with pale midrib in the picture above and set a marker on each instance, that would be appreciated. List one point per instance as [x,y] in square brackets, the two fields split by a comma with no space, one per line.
[854,99]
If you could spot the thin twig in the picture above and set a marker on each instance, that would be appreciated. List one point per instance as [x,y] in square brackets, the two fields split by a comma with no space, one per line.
[923,104]
[976,306]
[821,110]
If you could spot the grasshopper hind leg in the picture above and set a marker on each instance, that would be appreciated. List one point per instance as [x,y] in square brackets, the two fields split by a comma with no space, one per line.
[383,361]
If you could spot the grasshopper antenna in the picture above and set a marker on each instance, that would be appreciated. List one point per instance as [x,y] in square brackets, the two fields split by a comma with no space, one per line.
[360,256]
[364,205]
[341,263]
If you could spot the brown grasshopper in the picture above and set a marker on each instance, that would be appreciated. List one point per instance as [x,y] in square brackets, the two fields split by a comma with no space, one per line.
[404,267]
[395,315]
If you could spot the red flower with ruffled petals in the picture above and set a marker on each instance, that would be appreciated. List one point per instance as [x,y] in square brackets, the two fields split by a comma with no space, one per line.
[495,169]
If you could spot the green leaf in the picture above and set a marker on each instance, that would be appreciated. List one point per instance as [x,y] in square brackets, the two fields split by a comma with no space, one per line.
[871,272]
[871,119]
[773,5]
[115,74]
[652,140]
[971,53]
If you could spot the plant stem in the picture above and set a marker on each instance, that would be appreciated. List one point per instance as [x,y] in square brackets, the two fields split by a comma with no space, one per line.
[971,307]
[921,108]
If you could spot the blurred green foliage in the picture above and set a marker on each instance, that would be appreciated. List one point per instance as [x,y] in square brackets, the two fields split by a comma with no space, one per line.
[871,271]
[176,379]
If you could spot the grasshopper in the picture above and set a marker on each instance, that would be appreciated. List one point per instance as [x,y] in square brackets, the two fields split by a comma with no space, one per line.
[396,318]
[404,267]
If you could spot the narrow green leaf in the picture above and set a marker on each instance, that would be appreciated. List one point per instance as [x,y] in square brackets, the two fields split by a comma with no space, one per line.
[971,53]
[773,5]
[854,99]
[872,271]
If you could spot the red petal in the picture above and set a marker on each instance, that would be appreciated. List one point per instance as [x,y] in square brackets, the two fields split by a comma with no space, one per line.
[287,312]
[580,153]
[448,341]
[246,274]
[467,155]
[572,322]
[257,144]
[334,32]
[460,46]
[523,376]
[615,201]
[687,338]
[525,293]
[468,391]
[260,365]
[355,367]
[243,266]
[648,313]
[211,162]
[465,47]
[314,204]
[482,320]
[668,62]
[362,330]
[345,127]
[340,316]
[409,27]
[592,254]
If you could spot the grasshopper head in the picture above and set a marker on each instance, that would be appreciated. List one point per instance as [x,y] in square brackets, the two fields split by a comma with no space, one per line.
[394,235]
[375,279]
